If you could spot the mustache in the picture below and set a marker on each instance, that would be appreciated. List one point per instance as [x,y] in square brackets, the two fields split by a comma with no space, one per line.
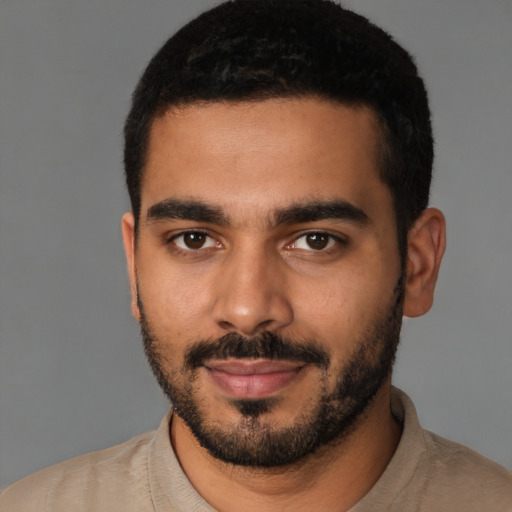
[266,346]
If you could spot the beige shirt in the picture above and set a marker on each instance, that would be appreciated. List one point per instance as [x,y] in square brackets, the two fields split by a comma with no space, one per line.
[426,473]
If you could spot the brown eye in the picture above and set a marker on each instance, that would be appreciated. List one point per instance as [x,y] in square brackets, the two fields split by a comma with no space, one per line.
[193,241]
[317,241]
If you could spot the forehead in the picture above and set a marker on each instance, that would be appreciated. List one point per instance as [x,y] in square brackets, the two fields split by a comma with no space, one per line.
[264,153]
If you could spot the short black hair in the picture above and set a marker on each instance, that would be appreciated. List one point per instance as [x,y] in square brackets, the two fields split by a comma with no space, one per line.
[252,50]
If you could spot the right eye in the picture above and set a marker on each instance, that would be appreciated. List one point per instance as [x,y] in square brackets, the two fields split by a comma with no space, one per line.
[193,241]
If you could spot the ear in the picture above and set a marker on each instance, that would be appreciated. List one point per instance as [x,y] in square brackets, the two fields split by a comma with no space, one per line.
[128,230]
[426,243]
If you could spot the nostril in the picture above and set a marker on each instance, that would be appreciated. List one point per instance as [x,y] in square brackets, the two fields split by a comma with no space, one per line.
[227,326]
[264,324]
[249,308]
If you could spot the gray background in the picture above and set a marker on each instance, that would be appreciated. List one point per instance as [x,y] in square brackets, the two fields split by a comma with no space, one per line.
[73,377]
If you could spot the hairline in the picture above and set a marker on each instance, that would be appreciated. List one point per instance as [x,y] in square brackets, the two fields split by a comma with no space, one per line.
[382,141]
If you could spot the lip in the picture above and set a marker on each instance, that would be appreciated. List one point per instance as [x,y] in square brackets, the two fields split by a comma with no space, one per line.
[252,379]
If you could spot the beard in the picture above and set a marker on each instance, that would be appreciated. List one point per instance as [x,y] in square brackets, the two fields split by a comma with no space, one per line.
[254,441]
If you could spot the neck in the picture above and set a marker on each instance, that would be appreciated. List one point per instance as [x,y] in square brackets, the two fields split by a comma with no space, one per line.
[334,478]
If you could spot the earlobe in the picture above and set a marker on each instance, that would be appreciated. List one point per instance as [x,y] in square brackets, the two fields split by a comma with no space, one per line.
[425,248]
[128,231]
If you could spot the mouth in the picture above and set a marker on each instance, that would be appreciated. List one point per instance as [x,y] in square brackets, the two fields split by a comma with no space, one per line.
[252,379]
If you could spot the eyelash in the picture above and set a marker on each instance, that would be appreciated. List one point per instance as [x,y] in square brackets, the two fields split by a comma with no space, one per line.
[172,240]
[335,241]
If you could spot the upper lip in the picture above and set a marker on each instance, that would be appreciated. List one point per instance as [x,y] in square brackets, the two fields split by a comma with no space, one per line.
[252,366]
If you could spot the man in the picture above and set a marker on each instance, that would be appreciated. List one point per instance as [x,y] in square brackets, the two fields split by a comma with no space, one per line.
[278,157]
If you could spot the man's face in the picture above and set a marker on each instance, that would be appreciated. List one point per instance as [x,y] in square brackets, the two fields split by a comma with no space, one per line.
[266,273]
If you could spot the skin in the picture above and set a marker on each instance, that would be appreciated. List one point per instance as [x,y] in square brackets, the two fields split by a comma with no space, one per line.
[249,160]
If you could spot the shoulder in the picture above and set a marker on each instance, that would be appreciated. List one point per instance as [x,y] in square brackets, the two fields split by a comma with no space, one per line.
[430,473]
[77,481]
[459,475]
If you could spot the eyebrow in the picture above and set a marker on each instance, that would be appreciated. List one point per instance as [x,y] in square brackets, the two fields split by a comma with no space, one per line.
[321,210]
[298,213]
[169,209]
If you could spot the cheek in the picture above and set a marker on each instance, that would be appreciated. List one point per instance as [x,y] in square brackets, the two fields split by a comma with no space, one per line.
[175,303]
[340,309]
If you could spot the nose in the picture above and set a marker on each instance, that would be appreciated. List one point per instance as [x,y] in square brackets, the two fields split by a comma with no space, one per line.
[251,294]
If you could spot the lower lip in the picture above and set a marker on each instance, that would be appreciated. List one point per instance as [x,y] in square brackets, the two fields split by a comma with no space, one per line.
[252,386]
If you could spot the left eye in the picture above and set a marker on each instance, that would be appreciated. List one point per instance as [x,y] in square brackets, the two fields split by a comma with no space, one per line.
[314,241]
[193,241]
